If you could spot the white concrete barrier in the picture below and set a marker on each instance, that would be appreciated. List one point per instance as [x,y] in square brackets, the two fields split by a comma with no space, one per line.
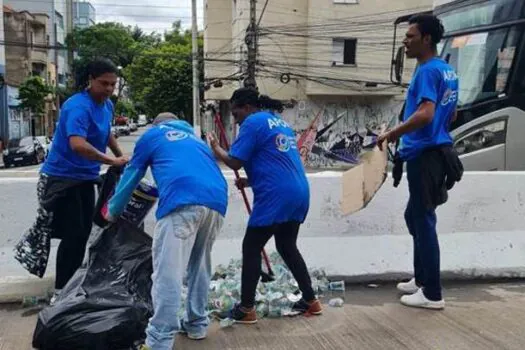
[481,229]
[481,232]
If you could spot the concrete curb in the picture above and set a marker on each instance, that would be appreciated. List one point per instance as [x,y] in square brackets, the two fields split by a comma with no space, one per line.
[14,288]
[18,283]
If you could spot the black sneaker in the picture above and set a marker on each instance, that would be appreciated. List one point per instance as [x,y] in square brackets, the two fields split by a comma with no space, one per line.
[239,315]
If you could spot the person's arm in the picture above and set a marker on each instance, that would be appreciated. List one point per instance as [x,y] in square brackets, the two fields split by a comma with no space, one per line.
[454,116]
[77,130]
[242,149]
[220,153]
[426,86]
[127,184]
[422,117]
[132,175]
[114,146]
[80,145]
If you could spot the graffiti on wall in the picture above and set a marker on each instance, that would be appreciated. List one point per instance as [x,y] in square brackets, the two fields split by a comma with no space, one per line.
[334,134]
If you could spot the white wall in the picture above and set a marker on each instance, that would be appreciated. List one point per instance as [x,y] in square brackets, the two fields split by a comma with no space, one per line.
[481,229]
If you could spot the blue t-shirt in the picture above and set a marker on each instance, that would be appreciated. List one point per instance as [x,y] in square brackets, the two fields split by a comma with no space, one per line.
[80,116]
[434,81]
[183,166]
[267,147]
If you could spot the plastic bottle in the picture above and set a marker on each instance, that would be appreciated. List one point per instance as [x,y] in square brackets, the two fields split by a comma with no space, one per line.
[227,322]
[336,302]
[337,286]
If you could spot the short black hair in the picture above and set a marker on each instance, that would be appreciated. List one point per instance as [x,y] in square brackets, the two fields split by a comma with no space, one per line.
[265,102]
[250,96]
[245,96]
[429,25]
[94,69]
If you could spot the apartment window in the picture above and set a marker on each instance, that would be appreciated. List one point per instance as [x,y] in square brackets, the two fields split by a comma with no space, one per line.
[346,1]
[344,52]
[59,20]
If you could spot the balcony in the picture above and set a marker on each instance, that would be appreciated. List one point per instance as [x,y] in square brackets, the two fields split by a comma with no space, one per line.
[39,56]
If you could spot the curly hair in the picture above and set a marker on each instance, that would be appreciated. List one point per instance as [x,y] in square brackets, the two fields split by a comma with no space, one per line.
[429,25]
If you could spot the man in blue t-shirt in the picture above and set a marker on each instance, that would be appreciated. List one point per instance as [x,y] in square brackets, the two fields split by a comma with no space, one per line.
[429,109]
[193,197]
[267,150]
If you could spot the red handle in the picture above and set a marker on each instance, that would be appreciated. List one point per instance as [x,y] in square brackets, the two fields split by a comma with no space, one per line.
[223,137]
[222,132]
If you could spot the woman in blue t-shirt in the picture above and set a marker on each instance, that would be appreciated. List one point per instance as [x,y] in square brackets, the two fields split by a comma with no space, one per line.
[267,150]
[67,179]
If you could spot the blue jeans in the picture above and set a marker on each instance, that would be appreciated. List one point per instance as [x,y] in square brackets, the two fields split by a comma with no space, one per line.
[421,223]
[182,244]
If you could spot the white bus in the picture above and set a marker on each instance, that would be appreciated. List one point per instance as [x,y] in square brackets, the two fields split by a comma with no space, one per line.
[485,42]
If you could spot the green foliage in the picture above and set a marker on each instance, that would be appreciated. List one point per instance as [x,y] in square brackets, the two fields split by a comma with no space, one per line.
[32,94]
[157,71]
[161,77]
[111,40]
[126,109]
[64,93]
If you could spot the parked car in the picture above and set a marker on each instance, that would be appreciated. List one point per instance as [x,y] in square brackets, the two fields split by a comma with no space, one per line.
[133,127]
[46,143]
[143,121]
[115,132]
[25,150]
[123,129]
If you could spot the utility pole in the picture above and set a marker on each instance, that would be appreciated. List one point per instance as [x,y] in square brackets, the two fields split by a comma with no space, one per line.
[195,61]
[251,43]
[69,31]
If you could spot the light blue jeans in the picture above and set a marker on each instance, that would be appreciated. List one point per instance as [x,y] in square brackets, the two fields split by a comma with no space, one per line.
[181,248]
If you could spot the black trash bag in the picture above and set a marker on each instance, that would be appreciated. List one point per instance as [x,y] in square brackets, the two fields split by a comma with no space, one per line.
[107,305]
[109,182]
[105,190]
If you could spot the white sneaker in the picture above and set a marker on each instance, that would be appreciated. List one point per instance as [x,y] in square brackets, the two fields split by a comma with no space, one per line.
[409,287]
[418,299]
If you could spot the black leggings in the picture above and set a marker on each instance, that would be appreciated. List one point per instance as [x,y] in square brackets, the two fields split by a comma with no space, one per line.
[73,222]
[286,244]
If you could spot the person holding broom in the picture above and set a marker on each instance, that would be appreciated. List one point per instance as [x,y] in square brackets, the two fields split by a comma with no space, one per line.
[267,150]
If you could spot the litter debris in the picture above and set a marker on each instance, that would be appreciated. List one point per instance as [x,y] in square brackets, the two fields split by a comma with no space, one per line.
[373,285]
[227,322]
[336,302]
[337,286]
[273,299]
[30,300]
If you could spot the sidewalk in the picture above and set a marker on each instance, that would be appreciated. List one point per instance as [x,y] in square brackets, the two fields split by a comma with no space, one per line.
[478,316]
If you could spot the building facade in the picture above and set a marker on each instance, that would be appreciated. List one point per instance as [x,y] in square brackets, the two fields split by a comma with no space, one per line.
[25,55]
[84,14]
[330,60]
[58,25]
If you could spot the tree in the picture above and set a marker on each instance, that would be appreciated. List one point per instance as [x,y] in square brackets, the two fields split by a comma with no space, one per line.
[127,109]
[161,76]
[32,94]
[111,40]
[161,79]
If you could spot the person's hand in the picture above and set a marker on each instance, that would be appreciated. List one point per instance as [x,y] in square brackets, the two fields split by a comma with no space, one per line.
[120,161]
[389,137]
[212,139]
[242,183]
[106,215]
